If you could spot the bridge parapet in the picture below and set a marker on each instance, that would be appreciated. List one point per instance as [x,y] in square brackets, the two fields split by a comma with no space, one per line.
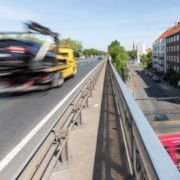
[148,158]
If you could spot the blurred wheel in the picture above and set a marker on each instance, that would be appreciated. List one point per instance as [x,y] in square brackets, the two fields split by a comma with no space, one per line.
[57,79]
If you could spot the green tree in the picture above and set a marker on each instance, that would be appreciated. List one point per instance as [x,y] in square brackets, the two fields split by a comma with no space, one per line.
[132,54]
[144,59]
[21,36]
[5,36]
[75,45]
[89,52]
[113,44]
[149,60]
[174,78]
[119,56]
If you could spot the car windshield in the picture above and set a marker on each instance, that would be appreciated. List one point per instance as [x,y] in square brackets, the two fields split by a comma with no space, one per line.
[162,117]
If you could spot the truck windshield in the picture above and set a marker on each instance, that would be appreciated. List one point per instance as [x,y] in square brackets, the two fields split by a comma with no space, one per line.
[64,54]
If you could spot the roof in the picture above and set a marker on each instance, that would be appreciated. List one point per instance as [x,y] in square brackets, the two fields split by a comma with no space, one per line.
[165,34]
[170,31]
[175,29]
[149,50]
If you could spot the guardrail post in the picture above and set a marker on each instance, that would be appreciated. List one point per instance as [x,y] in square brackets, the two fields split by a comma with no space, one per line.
[64,154]
[79,120]
[86,103]
[85,98]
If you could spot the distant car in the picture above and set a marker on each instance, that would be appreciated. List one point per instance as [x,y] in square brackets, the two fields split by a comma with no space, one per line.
[156,79]
[161,118]
[134,73]
[100,58]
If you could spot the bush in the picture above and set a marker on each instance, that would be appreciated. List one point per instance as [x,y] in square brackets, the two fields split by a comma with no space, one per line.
[168,74]
[174,79]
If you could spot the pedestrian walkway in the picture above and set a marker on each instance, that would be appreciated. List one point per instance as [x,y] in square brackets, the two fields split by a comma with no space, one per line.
[97,150]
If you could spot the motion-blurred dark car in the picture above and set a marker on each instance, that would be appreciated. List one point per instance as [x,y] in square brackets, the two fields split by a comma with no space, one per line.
[161,118]
[20,54]
[156,79]
[100,58]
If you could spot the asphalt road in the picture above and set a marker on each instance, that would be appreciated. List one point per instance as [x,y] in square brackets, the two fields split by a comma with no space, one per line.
[21,112]
[141,86]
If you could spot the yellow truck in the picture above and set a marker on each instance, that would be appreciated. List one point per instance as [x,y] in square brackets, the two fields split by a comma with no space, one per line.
[43,74]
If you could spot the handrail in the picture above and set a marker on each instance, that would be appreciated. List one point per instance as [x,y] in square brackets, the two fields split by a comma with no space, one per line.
[148,158]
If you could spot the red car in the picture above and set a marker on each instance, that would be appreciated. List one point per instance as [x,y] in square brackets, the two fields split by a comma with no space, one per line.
[171,142]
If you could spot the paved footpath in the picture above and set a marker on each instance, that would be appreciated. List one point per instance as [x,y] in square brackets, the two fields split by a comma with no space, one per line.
[97,150]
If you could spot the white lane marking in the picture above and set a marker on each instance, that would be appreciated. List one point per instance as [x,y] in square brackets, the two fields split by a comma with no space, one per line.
[18,148]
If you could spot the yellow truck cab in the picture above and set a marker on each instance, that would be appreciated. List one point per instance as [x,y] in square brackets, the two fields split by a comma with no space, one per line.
[66,58]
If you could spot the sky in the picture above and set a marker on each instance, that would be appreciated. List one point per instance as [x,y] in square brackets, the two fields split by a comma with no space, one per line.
[95,23]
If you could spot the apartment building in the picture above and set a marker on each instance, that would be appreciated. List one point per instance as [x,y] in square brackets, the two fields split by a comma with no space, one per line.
[141,49]
[173,48]
[159,52]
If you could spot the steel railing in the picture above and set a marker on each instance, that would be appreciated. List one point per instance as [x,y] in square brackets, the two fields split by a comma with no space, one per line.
[148,158]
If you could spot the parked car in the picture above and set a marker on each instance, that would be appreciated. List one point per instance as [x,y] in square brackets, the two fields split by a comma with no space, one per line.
[156,79]
[100,58]
[150,74]
[146,72]
[134,73]
[161,118]
[20,53]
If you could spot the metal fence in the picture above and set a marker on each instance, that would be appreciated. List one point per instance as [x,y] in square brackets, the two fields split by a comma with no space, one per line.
[148,158]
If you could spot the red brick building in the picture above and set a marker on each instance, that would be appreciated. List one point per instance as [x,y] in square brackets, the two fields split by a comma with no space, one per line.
[173,48]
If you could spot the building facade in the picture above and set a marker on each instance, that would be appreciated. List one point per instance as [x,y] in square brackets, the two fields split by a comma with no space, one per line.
[159,52]
[166,50]
[173,48]
[141,49]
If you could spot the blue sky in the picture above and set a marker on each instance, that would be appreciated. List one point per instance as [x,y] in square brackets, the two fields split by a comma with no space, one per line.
[95,23]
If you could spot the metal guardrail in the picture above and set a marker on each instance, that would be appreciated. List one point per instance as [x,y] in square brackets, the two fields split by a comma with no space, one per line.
[55,147]
[148,159]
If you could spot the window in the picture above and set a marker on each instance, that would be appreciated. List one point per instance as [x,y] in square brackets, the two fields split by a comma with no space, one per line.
[171,39]
[174,38]
[64,54]
[177,47]
[174,58]
[174,48]
[177,58]
[177,69]
[178,37]
[174,68]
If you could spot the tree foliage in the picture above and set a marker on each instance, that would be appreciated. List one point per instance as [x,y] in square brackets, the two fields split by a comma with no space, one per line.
[89,52]
[119,56]
[146,59]
[132,54]
[75,45]
[20,36]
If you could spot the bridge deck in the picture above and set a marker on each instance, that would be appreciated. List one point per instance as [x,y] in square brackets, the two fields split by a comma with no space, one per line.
[98,150]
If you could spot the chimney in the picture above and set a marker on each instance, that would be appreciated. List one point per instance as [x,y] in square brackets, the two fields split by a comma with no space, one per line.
[176,24]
